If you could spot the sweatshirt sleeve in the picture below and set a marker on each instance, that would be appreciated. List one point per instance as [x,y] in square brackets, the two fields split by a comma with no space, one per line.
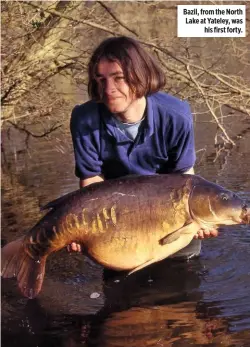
[182,149]
[85,131]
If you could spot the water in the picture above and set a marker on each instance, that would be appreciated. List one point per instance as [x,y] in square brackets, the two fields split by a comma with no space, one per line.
[203,302]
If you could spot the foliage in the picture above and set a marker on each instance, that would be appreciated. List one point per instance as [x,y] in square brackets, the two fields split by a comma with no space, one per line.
[46,47]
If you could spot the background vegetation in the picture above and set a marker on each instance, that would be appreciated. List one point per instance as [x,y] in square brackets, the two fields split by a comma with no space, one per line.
[46,46]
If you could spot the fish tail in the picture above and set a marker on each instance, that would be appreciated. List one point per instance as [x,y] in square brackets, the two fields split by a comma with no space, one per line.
[16,262]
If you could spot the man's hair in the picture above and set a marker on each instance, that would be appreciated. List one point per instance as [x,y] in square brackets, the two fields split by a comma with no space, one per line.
[141,72]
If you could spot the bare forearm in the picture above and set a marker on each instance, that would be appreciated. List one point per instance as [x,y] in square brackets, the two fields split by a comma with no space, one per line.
[88,181]
[190,171]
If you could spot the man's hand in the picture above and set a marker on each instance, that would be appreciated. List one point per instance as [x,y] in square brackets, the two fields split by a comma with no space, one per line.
[74,247]
[206,234]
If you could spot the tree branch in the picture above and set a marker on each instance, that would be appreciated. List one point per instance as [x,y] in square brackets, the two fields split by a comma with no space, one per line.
[116,19]
[29,133]
[209,106]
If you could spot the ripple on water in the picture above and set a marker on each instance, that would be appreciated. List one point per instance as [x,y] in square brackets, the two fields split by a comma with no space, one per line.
[226,283]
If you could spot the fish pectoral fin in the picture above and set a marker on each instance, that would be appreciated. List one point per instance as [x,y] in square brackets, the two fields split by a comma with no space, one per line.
[176,240]
[188,228]
[170,238]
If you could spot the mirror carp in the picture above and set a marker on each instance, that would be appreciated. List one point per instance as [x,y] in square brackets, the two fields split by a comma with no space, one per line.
[126,223]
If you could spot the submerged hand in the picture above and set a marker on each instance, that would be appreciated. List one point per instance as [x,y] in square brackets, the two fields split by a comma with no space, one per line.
[74,247]
[206,234]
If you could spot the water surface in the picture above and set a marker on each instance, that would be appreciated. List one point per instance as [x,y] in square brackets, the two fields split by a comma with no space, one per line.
[202,302]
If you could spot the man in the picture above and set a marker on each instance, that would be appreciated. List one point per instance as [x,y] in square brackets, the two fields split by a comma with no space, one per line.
[129,126]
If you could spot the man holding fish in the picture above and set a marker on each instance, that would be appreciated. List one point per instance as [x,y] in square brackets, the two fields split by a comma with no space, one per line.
[127,139]
[129,126]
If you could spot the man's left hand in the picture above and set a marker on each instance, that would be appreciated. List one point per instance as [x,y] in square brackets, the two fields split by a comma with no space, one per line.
[206,234]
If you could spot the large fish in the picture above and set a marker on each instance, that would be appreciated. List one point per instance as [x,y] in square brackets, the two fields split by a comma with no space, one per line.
[123,224]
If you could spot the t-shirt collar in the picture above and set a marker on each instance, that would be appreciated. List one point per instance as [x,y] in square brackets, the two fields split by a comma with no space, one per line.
[114,131]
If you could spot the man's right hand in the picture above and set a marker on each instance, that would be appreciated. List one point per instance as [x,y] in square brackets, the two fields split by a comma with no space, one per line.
[74,247]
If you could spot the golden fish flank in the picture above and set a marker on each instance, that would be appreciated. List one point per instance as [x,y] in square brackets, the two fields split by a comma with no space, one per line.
[96,224]
[99,223]
[109,216]
[72,221]
[179,199]
[113,214]
[179,209]
[166,227]
[106,217]
[105,214]
[84,221]
[63,230]
[94,228]
[131,225]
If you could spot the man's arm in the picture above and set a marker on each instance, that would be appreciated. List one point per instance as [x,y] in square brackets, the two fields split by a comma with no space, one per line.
[87,181]
[190,171]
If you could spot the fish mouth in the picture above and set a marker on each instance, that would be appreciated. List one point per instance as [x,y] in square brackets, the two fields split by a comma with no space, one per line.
[245,215]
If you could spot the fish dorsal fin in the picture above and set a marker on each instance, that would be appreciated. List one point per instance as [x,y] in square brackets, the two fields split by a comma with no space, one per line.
[57,202]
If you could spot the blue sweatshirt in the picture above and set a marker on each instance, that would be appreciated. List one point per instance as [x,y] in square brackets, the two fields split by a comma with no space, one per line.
[164,143]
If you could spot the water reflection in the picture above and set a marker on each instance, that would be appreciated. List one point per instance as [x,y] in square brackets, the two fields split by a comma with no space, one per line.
[167,325]
[148,308]
[203,302]
[162,306]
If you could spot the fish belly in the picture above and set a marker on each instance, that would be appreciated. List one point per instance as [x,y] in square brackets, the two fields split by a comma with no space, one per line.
[122,254]
[135,249]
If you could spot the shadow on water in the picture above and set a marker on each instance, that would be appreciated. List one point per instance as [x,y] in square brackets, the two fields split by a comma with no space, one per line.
[143,308]
[153,307]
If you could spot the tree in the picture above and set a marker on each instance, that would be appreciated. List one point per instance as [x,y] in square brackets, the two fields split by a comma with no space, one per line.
[46,47]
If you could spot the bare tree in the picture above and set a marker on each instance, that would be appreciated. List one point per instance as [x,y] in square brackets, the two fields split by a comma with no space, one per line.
[46,47]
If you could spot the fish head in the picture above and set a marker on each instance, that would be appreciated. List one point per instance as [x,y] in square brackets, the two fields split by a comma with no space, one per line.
[211,205]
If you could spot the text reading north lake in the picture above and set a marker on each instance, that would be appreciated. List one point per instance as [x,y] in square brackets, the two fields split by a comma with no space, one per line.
[217,11]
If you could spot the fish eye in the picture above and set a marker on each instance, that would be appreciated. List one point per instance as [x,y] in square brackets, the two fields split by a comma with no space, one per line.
[244,208]
[224,196]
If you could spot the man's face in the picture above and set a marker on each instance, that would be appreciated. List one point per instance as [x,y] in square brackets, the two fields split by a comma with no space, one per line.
[113,89]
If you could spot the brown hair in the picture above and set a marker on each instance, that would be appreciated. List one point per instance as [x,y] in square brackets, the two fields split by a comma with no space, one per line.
[141,72]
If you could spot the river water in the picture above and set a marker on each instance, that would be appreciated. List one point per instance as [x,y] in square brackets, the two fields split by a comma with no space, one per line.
[202,302]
